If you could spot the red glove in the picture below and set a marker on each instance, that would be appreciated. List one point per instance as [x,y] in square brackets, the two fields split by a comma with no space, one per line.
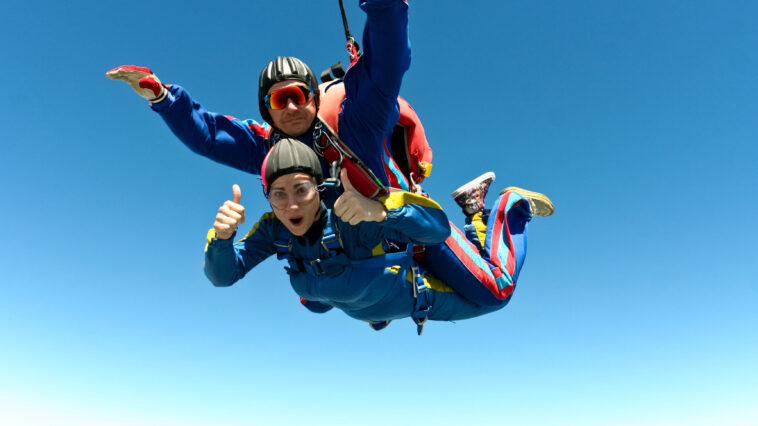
[142,80]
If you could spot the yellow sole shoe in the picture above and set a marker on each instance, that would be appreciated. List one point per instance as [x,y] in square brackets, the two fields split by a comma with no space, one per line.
[538,203]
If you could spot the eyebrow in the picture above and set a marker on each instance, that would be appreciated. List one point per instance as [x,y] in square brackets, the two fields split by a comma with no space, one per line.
[294,186]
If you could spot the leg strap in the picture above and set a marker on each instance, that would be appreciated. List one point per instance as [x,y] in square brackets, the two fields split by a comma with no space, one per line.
[421,310]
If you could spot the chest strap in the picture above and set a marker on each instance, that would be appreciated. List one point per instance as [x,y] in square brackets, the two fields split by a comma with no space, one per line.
[336,261]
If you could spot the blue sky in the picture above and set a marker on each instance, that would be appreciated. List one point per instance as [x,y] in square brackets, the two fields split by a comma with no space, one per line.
[636,304]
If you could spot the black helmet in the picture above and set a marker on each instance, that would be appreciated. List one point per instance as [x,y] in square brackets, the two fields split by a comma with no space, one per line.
[280,69]
[290,156]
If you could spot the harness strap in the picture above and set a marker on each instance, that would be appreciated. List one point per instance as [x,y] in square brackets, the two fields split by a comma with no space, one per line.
[331,266]
[336,261]
[422,305]
[421,311]
[283,246]
[334,264]
[327,143]
[352,46]
[329,238]
[388,259]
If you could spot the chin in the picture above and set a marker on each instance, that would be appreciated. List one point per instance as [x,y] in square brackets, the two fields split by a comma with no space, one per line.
[298,232]
[297,132]
[297,127]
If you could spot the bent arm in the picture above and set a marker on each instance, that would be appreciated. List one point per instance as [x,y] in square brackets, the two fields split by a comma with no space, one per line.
[227,262]
[224,139]
[410,218]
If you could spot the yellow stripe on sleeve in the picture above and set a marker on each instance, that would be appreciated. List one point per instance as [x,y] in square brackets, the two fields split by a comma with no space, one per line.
[209,237]
[266,216]
[398,199]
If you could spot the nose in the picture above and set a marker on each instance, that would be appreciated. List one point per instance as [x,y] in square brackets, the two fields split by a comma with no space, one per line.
[291,105]
[292,203]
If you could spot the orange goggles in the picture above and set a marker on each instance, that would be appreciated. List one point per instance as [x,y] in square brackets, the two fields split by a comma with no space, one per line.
[278,99]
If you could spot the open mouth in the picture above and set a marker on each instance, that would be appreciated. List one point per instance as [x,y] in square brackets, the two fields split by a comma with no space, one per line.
[296,220]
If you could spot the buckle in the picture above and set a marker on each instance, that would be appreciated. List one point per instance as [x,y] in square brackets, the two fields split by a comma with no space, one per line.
[331,266]
[419,325]
[316,267]
[419,286]
[328,240]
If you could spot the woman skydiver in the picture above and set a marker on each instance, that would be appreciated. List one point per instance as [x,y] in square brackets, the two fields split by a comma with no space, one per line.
[335,256]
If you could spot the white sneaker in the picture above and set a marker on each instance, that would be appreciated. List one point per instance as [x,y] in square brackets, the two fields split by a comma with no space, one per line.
[471,195]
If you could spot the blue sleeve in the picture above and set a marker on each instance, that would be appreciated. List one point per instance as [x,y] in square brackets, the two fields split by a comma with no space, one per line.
[227,262]
[387,49]
[372,84]
[410,218]
[224,139]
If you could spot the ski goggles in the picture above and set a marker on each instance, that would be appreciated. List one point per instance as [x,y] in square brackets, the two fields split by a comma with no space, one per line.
[300,94]
[303,193]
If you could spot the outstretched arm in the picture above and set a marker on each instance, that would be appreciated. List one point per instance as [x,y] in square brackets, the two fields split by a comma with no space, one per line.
[235,143]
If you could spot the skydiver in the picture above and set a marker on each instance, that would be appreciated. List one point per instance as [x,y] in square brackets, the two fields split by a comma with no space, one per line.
[288,100]
[332,252]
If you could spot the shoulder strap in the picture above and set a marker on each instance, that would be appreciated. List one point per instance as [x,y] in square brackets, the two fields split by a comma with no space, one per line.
[328,144]
[329,238]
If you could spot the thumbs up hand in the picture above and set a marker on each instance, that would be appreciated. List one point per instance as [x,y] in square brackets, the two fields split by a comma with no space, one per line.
[230,215]
[352,207]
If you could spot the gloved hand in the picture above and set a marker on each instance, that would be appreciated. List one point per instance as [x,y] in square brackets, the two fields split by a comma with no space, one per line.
[142,80]
[230,215]
[352,207]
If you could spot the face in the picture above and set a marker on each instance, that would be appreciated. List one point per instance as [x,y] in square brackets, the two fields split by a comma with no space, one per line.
[295,201]
[293,119]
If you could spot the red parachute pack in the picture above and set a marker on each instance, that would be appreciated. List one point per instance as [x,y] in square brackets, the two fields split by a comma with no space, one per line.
[411,153]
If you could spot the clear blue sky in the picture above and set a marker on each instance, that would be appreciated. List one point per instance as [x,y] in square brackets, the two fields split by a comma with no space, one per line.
[636,305]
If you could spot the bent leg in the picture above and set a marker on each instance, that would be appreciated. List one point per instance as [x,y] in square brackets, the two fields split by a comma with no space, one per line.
[505,245]
[487,276]
[453,307]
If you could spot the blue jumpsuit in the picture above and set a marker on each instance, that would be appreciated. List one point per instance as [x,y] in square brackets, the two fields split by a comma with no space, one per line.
[368,115]
[362,289]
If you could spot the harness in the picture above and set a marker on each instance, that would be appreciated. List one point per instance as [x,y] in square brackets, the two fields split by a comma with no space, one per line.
[335,261]
[407,152]
[328,144]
